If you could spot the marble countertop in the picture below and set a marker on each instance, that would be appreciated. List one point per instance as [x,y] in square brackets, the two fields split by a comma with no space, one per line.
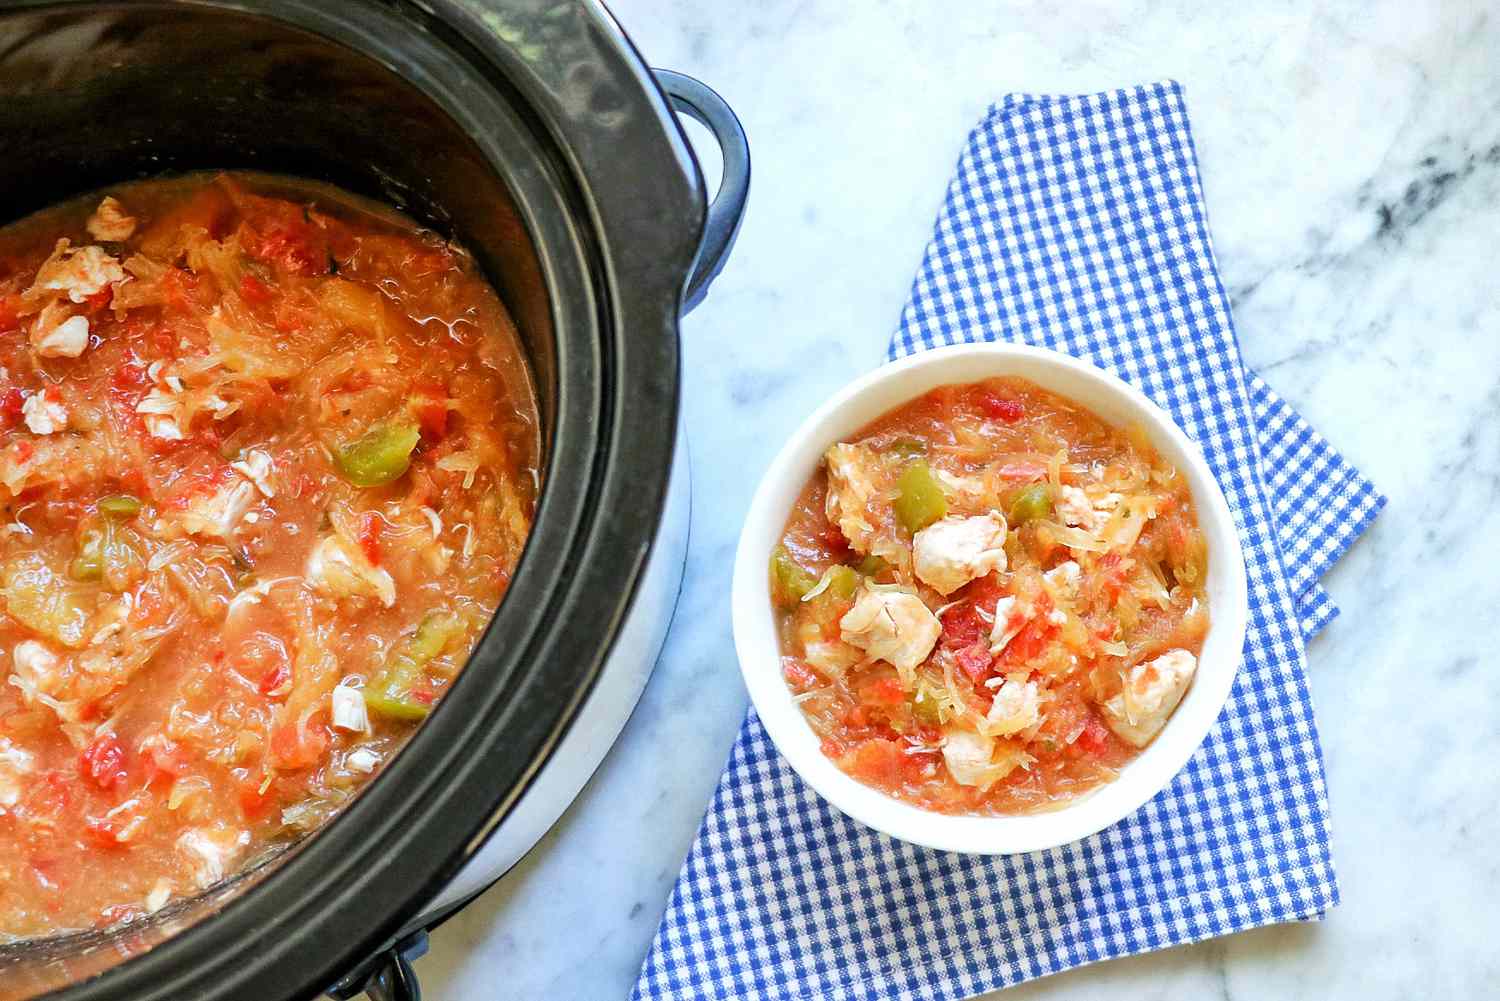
[1351,158]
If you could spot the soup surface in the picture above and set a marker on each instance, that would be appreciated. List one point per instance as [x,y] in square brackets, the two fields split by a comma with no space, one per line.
[990,600]
[268,457]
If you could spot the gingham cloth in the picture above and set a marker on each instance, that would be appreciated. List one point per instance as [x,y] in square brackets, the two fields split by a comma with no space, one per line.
[1076,223]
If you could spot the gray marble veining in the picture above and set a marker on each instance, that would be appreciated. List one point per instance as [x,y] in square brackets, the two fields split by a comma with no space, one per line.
[1351,158]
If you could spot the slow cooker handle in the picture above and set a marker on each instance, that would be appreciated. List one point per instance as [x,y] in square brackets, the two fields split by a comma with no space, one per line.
[698,100]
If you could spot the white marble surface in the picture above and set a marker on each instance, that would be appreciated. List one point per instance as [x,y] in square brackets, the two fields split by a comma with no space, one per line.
[1351,155]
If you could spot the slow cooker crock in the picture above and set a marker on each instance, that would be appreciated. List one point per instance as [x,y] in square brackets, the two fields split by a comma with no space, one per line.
[532,132]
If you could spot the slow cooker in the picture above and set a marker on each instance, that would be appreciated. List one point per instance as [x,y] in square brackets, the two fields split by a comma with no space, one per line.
[533,132]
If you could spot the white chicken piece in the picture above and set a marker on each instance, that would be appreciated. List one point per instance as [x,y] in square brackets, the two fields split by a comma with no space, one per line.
[256,466]
[79,272]
[110,223]
[1078,510]
[949,553]
[1152,691]
[44,412]
[161,411]
[1010,618]
[36,665]
[1017,706]
[217,514]
[347,709]
[211,851]
[15,763]
[891,625]
[850,489]
[968,757]
[57,334]
[38,674]
[341,570]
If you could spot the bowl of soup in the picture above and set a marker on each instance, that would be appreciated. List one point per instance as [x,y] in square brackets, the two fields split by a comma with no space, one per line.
[989,599]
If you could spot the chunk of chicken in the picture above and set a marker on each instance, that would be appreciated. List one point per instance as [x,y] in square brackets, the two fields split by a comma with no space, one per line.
[341,570]
[256,466]
[974,759]
[949,553]
[967,755]
[1077,509]
[44,412]
[55,333]
[161,411]
[15,763]
[1152,691]
[78,272]
[38,673]
[1010,618]
[1017,706]
[211,851]
[851,487]
[217,514]
[110,223]
[894,626]
[37,666]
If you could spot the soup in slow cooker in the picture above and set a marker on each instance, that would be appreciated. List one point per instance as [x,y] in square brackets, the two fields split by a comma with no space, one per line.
[268,458]
[990,600]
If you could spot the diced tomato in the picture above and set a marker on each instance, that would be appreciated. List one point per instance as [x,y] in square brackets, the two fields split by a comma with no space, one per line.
[253,290]
[1095,736]
[103,762]
[178,288]
[976,659]
[878,761]
[798,674]
[276,681]
[430,405]
[100,300]
[254,804]
[963,625]
[293,748]
[1110,571]
[1032,639]
[885,692]
[10,307]
[281,235]
[835,543]
[421,693]
[369,536]
[11,401]
[1001,408]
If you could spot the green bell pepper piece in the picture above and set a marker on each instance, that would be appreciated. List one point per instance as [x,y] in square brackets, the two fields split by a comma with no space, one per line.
[921,501]
[381,456]
[389,694]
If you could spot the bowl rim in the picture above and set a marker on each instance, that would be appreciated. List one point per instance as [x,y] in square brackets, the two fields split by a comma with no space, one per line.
[856,405]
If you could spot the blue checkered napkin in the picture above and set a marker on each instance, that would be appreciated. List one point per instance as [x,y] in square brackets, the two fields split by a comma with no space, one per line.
[1076,223]
[1322,503]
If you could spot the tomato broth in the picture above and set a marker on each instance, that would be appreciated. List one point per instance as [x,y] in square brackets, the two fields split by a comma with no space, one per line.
[990,600]
[268,458]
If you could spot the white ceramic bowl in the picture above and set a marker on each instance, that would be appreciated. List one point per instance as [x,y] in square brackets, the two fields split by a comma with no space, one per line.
[755,626]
